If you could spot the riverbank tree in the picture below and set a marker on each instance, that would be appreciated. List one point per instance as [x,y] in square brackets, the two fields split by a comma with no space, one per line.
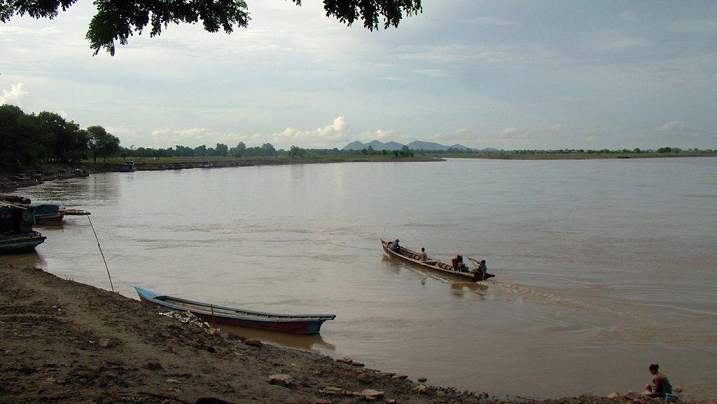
[102,143]
[29,139]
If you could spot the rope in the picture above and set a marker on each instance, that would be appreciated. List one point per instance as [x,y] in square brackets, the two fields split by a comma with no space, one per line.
[101,253]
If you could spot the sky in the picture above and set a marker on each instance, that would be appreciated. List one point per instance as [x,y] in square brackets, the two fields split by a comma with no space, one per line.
[501,73]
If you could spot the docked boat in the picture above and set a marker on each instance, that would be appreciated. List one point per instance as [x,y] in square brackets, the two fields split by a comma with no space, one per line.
[20,243]
[406,255]
[127,167]
[290,323]
[16,234]
[48,214]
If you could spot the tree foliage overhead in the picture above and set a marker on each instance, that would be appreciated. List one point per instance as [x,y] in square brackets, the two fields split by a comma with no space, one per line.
[117,20]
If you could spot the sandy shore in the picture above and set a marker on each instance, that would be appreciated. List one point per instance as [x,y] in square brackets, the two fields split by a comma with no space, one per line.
[67,342]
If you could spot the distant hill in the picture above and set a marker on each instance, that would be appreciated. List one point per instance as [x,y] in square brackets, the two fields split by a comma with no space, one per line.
[415,145]
[419,145]
[376,144]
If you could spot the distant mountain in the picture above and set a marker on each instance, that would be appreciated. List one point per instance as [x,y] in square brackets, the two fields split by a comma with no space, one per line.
[419,145]
[354,146]
[376,145]
[415,145]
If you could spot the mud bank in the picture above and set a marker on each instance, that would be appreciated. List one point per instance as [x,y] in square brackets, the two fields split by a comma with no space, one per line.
[67,342]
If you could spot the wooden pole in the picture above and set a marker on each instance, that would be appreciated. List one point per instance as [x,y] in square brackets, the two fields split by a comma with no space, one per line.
[101,253]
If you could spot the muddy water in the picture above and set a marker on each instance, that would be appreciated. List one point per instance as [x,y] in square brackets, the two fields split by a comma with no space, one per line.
[603,267]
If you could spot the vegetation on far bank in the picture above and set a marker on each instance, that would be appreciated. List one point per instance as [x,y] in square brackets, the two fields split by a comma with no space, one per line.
[583,154]
[28,140]
[262,160]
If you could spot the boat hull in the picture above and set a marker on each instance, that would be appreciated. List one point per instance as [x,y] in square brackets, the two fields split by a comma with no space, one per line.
[54,219]
[281,323]
[15,245]
[434,265]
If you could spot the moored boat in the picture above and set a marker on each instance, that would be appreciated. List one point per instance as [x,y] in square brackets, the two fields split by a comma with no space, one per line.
[16,234]
[413,257]
[20,243]
[127,167]
[290,323]
[48,214]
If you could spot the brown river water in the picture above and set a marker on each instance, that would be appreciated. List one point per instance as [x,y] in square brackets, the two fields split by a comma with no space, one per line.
[603,266]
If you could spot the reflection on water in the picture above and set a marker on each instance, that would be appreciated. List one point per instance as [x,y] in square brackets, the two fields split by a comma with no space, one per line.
[606,263]
[307,342]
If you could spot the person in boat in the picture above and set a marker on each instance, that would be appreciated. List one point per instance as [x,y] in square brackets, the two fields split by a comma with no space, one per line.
[394,246]
[481,269]
[423,256]
[458,264]
[660,384]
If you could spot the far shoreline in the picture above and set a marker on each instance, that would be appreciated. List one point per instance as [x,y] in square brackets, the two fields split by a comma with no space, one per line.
[117,164]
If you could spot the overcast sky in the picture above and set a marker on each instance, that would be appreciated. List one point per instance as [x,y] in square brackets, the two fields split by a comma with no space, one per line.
[500,73]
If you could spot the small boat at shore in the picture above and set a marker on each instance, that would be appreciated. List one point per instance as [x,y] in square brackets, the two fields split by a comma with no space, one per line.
[412,257]
[290,323]
[48,214]
[16,234]
[20,243]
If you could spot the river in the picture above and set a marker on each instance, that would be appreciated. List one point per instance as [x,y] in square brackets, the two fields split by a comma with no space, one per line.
[602,266]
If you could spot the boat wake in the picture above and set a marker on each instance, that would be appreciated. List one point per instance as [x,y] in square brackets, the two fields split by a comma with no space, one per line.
[553,298]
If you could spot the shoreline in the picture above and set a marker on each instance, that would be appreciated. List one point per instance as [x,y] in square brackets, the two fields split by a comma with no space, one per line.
[64,341]
[179,163]
[67,342]
[576,156]
[171,164]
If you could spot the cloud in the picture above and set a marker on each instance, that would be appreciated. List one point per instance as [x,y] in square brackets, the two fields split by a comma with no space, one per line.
[459,135]
[508,132]
[24,32]
[328,136]
[694,26]
[384,134]
[490,22]
[610,41]
[431,72]
[672,126]
[455,53]
[679,129]
[167,137]
[16,91]
[393,78]
[557,128]
[628,16]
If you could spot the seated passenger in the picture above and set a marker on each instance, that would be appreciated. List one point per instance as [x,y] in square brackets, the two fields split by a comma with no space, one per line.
[394,246]
[462,267]
[422,256]
[458,264]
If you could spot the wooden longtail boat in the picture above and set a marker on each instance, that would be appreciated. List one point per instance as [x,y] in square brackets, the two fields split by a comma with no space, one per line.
[412,257]
[291,323]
